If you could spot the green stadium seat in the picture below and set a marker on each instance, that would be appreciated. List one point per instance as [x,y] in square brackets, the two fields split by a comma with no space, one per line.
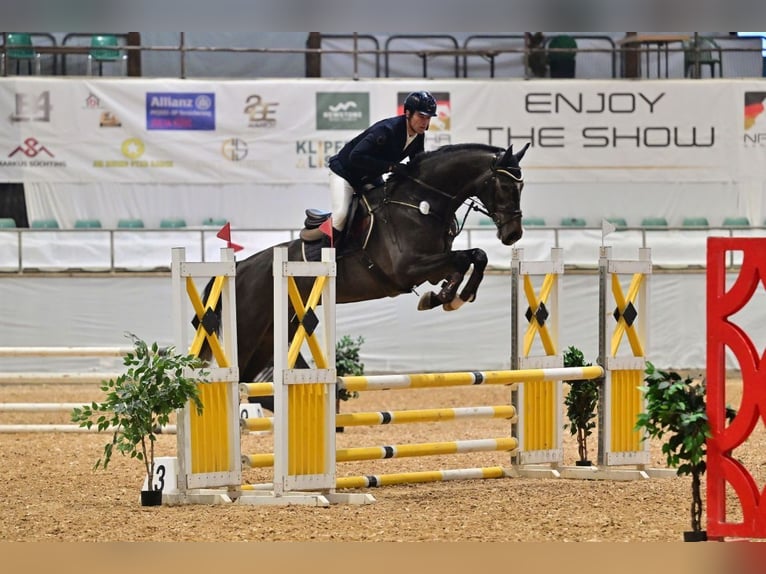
[572,222]
[48,223]
[654,222]
[533,221]
[20,48]
[215,221]
[7,222]
[173,222]
[105,48]
[130,223]
[618,221]
[695,222]
[736,221]
[707,51]
[87,223]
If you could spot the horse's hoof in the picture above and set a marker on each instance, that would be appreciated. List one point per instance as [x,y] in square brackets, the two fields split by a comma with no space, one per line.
[453,305]
[426,302]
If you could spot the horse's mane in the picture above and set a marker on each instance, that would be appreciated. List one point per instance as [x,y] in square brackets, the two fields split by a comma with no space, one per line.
[447,150]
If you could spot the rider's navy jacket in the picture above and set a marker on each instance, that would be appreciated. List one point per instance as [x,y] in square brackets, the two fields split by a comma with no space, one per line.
[370,154]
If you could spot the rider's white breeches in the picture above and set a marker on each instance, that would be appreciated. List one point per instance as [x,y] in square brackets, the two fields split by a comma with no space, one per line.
[340,199]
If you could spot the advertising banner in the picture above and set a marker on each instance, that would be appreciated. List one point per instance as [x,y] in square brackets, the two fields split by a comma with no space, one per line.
[284,131]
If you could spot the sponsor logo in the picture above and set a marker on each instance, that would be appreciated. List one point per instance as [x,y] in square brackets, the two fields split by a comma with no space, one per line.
[31,153]
[234,149]
[92,102]
[109,120]
[31,148]
[260,114]
[32,107]
[180,111]
[133,149]
[438,133]
[237,152]
[755,119]
[314,154]
[342,110]
[106,118]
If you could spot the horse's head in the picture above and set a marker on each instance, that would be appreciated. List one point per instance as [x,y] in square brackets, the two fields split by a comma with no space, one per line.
[503,197]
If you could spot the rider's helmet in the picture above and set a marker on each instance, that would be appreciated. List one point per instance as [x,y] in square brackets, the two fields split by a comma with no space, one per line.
[422,102]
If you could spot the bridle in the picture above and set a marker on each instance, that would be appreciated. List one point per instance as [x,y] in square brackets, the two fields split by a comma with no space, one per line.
[470,202]
[516,213]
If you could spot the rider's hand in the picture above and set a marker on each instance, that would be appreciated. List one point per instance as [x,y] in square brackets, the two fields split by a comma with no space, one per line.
[399,169]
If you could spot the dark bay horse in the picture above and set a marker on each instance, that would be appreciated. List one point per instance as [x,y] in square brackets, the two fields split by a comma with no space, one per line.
[401,237]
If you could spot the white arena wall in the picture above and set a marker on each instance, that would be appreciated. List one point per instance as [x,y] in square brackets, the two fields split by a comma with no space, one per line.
[97,311]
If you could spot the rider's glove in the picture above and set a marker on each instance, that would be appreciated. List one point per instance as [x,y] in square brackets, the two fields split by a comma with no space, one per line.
[399,169]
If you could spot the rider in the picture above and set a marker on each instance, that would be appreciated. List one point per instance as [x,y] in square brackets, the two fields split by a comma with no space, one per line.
[359,165]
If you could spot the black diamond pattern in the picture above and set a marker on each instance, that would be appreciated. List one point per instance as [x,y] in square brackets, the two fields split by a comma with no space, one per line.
[310,322]
[542,314]
[629,314]
[210,321]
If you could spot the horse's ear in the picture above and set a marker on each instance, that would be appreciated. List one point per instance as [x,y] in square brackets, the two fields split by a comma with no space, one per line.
[522,152]
[508,155]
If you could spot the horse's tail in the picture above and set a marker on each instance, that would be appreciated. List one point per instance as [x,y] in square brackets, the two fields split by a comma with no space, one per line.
[205,352]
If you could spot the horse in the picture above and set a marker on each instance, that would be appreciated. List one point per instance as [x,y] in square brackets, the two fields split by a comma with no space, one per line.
[399,236]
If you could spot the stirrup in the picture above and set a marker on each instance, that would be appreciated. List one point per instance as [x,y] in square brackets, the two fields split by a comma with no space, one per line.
[315,218]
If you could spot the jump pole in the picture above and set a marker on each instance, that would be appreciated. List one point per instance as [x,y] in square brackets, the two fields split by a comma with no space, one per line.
[17,378]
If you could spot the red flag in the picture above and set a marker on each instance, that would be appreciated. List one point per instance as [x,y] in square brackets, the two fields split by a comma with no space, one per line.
[225,234]
[326,228]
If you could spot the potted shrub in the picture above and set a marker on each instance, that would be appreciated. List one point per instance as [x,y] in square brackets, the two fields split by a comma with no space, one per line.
[581,401]
[675,406]
[347,363]
[139,403]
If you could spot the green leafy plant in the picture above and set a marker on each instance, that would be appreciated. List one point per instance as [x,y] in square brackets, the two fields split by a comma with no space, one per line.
[139,402]
[675,406]
[348,363]
[580,402]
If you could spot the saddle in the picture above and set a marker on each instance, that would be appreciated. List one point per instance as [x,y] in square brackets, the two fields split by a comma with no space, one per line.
[352,238]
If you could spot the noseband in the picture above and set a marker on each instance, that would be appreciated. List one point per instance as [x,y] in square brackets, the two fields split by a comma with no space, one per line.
[516,213]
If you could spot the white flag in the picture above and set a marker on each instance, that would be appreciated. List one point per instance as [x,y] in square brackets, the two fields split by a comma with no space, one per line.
[606,228]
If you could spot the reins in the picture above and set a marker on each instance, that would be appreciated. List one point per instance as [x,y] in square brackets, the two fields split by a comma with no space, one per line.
[469,202]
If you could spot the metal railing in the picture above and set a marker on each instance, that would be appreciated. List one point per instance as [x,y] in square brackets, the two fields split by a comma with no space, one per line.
[425,52]
[147,250]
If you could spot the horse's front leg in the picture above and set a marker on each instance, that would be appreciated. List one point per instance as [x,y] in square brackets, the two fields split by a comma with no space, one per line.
[448,292]
[479,261]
